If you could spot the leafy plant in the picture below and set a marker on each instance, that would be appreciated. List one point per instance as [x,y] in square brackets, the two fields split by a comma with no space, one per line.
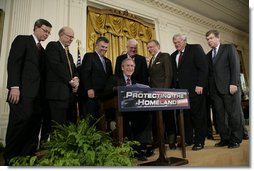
[80,145]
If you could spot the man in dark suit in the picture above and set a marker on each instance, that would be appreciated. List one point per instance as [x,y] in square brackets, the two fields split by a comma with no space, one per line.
[62,80]
[95,71]
[140,74]
[161,76]
[224,79]
[25,97]
[190,72]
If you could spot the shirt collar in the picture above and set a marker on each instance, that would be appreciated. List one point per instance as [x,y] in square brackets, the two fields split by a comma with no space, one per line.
[62,45]
[156,54]
[99,54]
[125,77]
[128,56]
[217,47]
[181,51]
[35,39]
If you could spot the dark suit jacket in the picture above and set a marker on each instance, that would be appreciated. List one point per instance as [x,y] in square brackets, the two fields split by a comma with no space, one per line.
[24,66]
[122,82]
[141,72]
[92,74]
[58,73]
[225,69]
[193,70]
[110,89]
[161,72]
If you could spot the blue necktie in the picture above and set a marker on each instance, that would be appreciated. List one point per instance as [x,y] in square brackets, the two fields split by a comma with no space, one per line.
[214,54]
[103,63]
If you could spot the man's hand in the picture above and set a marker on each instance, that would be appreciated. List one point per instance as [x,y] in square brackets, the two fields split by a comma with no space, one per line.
[14,95]
[232,89]
[91,93]
[74,84]
[199,90]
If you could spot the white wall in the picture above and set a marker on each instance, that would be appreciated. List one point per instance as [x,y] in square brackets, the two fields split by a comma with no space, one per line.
[169,19]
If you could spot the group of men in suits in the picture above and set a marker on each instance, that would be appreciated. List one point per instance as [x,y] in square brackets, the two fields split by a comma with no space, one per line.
[42,86]
[41,79]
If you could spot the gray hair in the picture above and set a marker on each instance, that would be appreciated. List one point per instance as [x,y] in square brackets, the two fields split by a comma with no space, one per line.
[182,36]
[132,41]
[127,59]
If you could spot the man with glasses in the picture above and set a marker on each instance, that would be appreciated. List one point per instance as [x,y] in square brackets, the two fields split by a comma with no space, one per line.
[25,97]
[61,78]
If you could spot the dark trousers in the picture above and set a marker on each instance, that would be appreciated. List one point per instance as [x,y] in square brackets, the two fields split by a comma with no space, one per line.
[195,120]
[170,127]
[63,111]
[45,122]
[90,106]
[229,116]
[138,126]
[23,128]
[211,119]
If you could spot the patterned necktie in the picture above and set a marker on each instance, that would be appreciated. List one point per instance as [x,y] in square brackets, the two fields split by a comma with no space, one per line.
[68,60]
[128,81]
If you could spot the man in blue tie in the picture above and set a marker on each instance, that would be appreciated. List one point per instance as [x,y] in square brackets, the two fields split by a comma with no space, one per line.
[95,71]
[224,79]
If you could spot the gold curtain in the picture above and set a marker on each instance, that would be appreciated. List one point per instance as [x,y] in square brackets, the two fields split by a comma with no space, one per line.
[118,27]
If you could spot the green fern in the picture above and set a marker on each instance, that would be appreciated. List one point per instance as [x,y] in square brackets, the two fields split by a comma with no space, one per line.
[80,145]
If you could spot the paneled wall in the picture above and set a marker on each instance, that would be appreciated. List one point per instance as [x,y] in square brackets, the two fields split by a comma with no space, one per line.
[19,17]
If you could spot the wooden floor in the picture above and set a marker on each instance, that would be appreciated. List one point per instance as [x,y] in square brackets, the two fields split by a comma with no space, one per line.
[210,156]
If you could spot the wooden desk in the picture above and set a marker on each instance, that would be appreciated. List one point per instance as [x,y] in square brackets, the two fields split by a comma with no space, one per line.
[113,103]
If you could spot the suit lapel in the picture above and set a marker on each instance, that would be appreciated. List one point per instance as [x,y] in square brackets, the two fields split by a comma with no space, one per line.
[186,51]
[33,44]
[62,50]
[155,61]
[35,51]
[98,62]
[218,56]
[121,81]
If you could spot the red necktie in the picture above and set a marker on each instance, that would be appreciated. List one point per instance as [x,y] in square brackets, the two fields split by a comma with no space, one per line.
[180,58]
[38,46]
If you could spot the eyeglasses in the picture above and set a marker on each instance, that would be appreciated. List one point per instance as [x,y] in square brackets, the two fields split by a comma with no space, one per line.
[71,37]
[45,31]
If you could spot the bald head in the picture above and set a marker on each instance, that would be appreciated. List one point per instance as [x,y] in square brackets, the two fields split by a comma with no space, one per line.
[66,35]
[132,42]
[132,46]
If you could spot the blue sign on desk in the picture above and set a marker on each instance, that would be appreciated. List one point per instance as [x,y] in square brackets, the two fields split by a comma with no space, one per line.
[151,99]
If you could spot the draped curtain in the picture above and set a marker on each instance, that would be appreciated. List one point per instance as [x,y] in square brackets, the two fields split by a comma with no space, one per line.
[118,27]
